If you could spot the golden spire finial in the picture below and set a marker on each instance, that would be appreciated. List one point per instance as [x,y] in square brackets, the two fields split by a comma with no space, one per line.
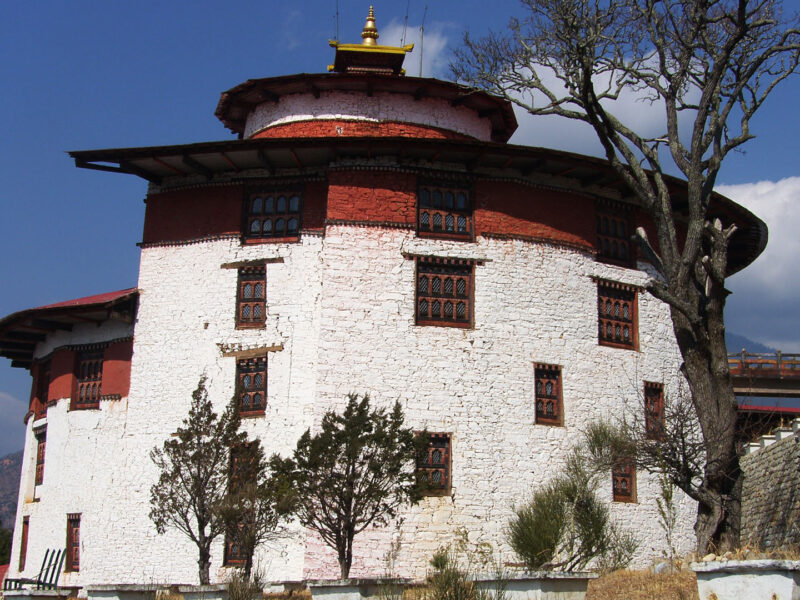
[370,33]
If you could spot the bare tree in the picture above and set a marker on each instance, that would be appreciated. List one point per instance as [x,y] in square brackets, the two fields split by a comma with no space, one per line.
[710,65]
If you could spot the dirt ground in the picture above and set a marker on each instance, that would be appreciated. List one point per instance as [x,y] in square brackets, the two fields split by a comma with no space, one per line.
[644,585]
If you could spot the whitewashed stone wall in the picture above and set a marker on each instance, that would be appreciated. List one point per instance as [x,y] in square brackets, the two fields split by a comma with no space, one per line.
[341,310]
[381,106]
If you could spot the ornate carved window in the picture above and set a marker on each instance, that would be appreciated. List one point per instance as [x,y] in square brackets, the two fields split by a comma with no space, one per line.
[243,460]
[548,394]
[444,212]
[73,562]
[23,543]
[41,442]
[444,292]
[624,481]
[251,385]
[433,463]
[89,379]
[251,296]
[270,215]
[617,315]
[654,410]
[614,231]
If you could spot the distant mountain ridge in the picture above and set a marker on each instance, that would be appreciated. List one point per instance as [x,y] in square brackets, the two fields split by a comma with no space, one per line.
[736,342]
[10,468]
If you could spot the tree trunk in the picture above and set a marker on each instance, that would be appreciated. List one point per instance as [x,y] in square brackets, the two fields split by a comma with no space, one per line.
[203,565]
[344,567]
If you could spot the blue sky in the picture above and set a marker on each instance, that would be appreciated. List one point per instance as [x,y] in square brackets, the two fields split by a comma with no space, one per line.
[80,75]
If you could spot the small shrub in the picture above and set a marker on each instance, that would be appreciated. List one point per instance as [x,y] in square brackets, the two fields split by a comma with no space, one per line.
[455,569]
[242,587]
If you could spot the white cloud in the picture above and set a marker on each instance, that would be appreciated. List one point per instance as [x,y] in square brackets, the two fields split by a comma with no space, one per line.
[765,305]
[434,55]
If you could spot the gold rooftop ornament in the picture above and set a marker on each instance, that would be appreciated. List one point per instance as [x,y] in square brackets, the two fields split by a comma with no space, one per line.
[369,56]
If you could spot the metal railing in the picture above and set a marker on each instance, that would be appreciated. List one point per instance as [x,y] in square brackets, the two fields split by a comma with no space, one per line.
[774,364]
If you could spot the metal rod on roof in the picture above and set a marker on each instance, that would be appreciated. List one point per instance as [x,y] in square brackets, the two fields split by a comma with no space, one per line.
[422,38]
[405,25]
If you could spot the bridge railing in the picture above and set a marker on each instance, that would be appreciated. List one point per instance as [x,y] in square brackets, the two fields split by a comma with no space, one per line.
[775,364]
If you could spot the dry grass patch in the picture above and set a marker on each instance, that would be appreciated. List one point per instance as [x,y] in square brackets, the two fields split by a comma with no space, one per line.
[644,585]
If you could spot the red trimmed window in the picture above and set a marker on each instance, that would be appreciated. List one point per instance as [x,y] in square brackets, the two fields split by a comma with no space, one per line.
[73,562]
[624,482]
[654,410]
[444,212]
[433,463]
[616,312]
[444,292]
[89,379]
[251,306]
[241,470]
[251,382]
[548,394]
[23,543]
[42,390]
[41,442]
[272,215]
[614,231]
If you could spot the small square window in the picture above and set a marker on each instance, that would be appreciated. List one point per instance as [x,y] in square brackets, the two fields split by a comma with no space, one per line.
[73,562]
[433,464]
[444,292]
[270,215]
[548,395]
[251,306]
[624,481]
[89,379]
[444,212]
[617,315]
[251,385]
[41,442]
[614,231]
[654,410]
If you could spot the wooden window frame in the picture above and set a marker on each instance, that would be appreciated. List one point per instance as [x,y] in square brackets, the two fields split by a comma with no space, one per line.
[232,555]
[253,212]
[612,299]
[41,446]
[654,419]
[426,465]
[72,564]
[247,300]
[88,380]
[41,390]
[427,212]
[427,298]
[614,229]
[548,375]
[252,367]
[623,482]
[23,543]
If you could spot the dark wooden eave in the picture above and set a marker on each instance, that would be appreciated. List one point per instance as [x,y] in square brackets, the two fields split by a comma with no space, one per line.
[577,172]
[21,331]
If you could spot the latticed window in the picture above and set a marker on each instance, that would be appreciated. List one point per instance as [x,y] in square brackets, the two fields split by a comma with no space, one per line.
[73,562]
[444,292]
[251,296]
[616,312]
[89,379]
[41,442]
[444,212]
[548,394]
[433,463]
[42,390]
[251,381]
[614,232]
[243,462]
[623,477]
[234,552]
[272,215]
[654,410]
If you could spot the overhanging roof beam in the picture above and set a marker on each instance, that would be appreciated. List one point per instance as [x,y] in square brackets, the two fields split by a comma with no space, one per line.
[129,167]
[22,336]
[197,166]
[49,325]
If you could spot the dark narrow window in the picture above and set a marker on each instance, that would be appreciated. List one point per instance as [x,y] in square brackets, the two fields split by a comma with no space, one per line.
[240,472]
[433,464]
[444,292]
[654,410]
[23,543]
[41,441]
[73,562]
[251,297]
[89,379]
[617,315]
[251,382]
[271,215]
[548,394]
[614,231]
[42,390]
[444,212]
[623,477]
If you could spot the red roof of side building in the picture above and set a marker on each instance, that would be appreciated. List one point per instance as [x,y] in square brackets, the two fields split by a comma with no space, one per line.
[21,331]
[3,571]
